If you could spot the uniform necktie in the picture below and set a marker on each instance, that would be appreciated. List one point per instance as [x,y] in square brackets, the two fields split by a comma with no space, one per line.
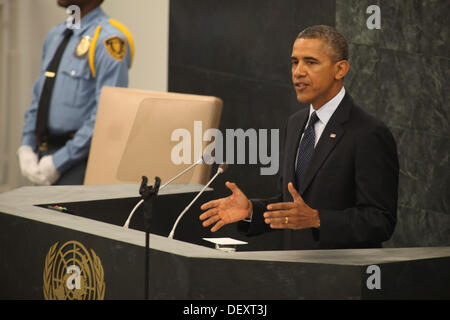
[306,149]
[46,94]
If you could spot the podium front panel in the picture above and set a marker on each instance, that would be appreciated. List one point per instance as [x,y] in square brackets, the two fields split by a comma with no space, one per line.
[46,254]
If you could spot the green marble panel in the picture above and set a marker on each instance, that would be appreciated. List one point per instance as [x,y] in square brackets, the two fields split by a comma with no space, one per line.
[420,228]
[401,74]
[424,174]
[414,91]
[415,26]
[351,18]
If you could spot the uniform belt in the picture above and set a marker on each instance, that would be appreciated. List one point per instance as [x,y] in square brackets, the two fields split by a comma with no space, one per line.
[54,141]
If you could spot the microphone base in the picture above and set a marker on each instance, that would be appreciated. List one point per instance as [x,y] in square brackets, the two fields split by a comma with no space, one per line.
[148,193]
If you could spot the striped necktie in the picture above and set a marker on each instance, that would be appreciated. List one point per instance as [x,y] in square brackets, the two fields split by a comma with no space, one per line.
[306,149]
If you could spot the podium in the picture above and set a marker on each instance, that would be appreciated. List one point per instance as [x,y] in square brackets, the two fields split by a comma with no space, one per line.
[87,254]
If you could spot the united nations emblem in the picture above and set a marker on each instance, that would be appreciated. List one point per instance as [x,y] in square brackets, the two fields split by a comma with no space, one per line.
[83,47]
[72,273]
[116,47]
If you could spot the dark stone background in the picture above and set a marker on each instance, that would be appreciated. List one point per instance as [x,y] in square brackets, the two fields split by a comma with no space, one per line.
[239,50]
[401,74]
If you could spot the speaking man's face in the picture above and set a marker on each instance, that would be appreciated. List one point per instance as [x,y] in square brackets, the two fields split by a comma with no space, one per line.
[315,76]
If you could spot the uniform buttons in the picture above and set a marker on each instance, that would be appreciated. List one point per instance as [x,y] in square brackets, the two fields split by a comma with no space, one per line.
[73,73]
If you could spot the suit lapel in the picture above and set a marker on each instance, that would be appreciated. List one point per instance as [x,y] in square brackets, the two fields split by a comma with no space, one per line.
[295,131]
[331,135]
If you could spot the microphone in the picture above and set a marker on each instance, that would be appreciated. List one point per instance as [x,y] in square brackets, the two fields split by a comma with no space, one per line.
[220,170]
[200,160]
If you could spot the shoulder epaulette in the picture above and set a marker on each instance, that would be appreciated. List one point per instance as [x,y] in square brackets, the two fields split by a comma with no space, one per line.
[92,50]
[127,34]
[119,26]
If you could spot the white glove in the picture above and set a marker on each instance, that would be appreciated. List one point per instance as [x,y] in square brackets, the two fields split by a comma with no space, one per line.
[28,161]
[48,170]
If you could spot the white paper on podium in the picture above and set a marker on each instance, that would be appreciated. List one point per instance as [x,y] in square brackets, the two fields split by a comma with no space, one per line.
[225,241]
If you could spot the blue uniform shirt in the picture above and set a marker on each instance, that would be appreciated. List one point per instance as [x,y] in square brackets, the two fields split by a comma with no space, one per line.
[76,91]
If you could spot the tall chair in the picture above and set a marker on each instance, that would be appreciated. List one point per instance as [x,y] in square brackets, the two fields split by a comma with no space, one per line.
[137,133]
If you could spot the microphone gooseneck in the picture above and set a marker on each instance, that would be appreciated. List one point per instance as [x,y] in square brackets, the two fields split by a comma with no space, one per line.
[200,160]
[220,170]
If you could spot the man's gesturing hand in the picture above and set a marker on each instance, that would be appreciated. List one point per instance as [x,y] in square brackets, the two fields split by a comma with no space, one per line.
[291,215]
[227,210]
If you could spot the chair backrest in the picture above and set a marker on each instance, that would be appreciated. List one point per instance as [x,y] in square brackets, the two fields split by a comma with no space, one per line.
[141,133]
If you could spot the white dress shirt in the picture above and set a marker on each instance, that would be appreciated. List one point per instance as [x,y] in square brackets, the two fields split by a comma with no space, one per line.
[324,114]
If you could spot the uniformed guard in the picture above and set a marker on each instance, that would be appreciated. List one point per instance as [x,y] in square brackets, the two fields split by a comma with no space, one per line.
[76,64]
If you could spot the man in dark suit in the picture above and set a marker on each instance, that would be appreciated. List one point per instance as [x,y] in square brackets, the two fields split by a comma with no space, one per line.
[339,166]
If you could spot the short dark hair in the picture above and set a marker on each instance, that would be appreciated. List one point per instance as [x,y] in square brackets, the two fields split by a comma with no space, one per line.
[332,38]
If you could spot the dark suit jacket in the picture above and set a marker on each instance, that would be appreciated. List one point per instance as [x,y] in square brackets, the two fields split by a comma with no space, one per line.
[352,181]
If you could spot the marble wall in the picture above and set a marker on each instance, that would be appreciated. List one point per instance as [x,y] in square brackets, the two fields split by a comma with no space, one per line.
[401,73]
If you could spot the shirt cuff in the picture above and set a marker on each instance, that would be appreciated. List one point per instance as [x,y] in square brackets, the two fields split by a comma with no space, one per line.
[61,159]
[249,219]
[29,140]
